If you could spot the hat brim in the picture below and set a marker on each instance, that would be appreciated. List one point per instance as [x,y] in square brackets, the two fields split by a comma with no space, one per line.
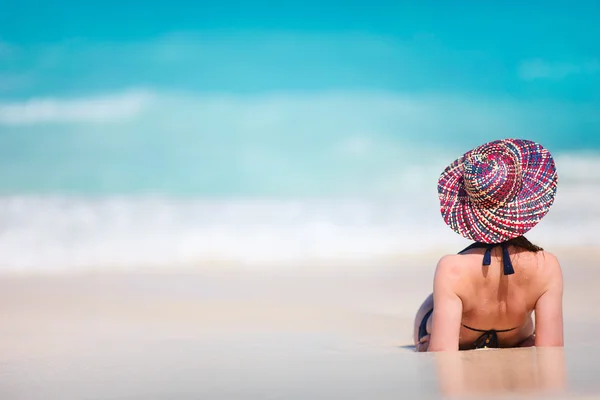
[513,218]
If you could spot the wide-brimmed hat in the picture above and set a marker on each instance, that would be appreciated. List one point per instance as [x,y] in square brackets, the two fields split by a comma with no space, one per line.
[498,191]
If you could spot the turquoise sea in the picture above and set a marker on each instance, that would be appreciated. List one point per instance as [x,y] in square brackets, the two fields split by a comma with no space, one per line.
[149,178]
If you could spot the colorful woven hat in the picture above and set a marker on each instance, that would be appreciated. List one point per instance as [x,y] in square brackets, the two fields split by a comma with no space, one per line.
[498,191]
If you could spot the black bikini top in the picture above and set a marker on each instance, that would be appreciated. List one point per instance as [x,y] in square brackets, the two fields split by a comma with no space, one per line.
[489,337]
[487,257]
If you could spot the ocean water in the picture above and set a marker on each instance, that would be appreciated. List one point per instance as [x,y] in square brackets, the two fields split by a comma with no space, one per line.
[145,179]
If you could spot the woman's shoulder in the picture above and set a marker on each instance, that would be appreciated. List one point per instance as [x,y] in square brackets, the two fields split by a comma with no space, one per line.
[549,262]
[542,267]
[548,256]
[453,261]
[448,266]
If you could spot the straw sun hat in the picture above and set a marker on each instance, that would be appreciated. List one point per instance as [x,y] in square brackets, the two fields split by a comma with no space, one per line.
[498,190]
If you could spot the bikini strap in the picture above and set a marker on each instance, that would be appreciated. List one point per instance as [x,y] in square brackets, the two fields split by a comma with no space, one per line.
[490,330]
[489,338]
[487,256]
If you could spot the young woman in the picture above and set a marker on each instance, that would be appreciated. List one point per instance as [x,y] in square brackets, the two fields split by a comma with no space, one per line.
[485,295]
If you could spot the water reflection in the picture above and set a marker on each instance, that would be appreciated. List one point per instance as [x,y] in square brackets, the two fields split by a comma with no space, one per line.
[487,372]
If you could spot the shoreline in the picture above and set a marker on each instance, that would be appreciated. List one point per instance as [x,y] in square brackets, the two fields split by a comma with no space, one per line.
[585,255]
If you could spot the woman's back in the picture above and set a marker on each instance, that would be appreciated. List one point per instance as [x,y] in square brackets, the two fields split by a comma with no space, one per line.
[492,300]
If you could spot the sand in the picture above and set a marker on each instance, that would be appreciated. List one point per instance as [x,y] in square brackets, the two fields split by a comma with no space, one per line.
[278,332]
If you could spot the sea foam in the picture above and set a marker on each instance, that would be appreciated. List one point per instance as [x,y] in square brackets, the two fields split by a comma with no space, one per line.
[79,233]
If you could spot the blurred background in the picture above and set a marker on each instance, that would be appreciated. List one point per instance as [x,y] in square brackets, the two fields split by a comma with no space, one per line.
[139,134]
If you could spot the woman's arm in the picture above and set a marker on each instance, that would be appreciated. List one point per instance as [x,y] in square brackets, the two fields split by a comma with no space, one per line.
[548,309]
[447,311]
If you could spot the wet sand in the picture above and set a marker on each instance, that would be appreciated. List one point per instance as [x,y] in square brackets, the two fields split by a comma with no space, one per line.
[289,332]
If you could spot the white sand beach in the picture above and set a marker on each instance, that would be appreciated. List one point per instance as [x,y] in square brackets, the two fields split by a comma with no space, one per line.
[295,332]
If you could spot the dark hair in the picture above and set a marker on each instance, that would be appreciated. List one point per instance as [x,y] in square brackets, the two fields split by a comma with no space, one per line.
[524,243]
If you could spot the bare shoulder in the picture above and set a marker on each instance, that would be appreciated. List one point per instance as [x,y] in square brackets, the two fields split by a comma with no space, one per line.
[550,262]
[551,268]
[448,268]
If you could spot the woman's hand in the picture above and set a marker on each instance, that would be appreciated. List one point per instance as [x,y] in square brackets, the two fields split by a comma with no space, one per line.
[423,344]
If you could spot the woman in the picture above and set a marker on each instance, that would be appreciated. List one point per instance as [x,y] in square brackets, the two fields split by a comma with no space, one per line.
[485,295]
